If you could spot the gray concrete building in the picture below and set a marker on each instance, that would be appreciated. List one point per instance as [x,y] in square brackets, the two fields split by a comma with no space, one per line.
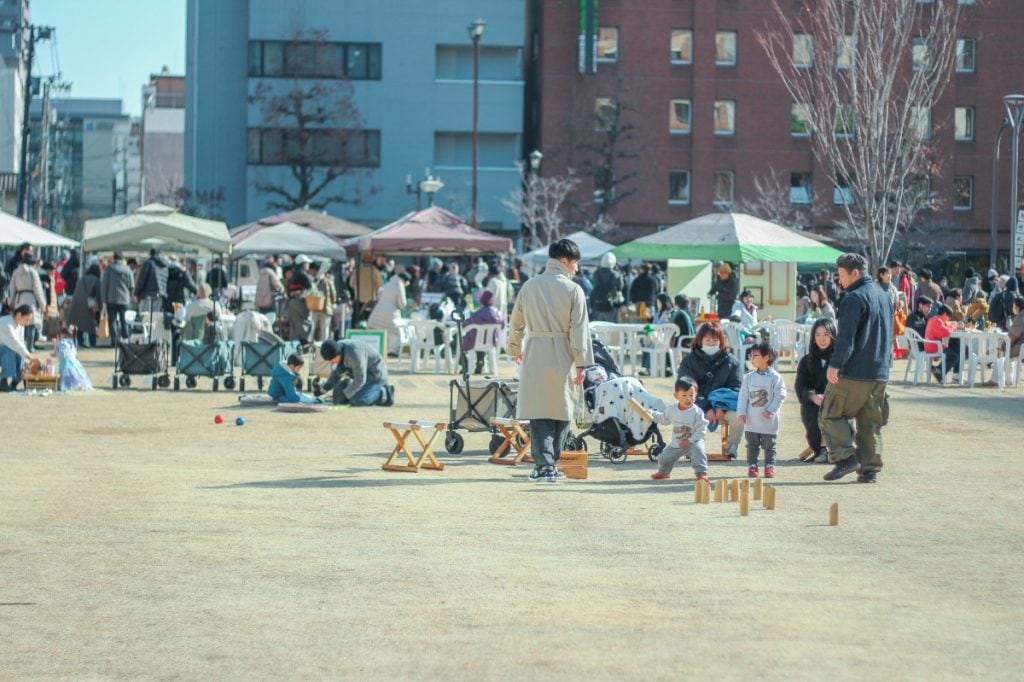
[13,16]
[162,141]
[410,68]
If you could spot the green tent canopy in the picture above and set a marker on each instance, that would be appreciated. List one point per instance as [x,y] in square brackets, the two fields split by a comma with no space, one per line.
[735,237]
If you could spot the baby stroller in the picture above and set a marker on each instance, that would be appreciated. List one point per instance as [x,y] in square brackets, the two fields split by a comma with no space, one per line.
[198,359]
[607,415]
[146,358]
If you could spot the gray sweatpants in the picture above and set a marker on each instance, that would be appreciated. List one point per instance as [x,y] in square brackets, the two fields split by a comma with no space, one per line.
[755,443]
[696,452]
[547,436]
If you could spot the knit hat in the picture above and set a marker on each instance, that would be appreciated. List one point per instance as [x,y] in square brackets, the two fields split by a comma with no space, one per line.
[329,350]
[1011,284]
[992,273]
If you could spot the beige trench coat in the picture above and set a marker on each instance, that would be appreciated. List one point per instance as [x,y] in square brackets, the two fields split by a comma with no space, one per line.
[551,312]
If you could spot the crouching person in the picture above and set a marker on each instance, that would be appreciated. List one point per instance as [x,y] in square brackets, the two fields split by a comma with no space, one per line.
[359,377]
[283,379]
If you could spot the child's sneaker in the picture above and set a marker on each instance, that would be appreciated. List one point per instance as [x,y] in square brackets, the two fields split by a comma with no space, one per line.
[658,476]
[702,477]
[752,472]
[769,472]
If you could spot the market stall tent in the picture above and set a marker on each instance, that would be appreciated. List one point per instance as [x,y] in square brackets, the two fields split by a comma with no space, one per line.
[321,222]
[155,225]
[287,238]
[591,250]
[430,232]
[15,231]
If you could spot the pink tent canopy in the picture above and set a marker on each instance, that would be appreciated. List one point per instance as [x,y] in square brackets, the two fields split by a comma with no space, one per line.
[335,227]
[432,231]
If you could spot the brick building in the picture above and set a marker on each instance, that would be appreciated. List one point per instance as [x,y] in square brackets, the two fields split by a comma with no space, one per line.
[705,115]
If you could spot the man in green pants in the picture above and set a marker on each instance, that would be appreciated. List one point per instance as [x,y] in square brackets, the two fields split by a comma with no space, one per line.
[857,374]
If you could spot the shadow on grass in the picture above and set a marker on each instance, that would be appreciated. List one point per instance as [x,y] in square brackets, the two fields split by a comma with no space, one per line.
[960,401]
[401,478]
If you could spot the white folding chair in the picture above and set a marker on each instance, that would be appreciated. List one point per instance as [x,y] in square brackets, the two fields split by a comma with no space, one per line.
[422,347]
[406,339]
[735,341]
[659,348]
[785,338]
[488,341]
[922,359]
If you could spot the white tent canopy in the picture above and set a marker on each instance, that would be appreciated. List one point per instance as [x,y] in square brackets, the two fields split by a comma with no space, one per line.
[15,231]
[591,249]
[289,238]
[155,224]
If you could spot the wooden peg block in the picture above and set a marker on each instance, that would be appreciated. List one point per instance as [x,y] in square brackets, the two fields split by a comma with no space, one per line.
[734,491]
[757,489]
[719,491]
[698,493]
[705,494]
[745,486]
[833,514]
[769,497]
[744,503]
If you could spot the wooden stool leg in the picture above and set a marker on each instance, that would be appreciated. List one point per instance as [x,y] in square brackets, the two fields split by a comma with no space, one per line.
[428,452]
[400,447]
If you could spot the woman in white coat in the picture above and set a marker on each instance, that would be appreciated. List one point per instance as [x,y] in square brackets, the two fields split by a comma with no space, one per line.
[551,315]
[387,312]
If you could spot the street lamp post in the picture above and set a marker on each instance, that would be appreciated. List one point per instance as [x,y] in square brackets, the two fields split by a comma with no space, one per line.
[429,185]
[993,227]
[476,31]
[1015,109]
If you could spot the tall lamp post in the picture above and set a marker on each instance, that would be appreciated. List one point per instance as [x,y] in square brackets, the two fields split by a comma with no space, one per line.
[476,31]
[1015,109]
[993,227]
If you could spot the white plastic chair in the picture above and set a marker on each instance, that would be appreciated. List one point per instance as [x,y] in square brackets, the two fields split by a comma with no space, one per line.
[785,338]
[422,347]
[922,359]
[659,347]
[488,341]
[406,339]
[735,341]
[1014,369]
[609,334]
[680,348]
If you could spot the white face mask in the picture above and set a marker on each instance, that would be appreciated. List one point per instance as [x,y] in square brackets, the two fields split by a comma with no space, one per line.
[711,349]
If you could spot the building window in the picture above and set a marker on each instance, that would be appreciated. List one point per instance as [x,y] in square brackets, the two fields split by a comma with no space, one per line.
[305,59]
[725,117]
[682,46]
[605,113]
[963,193]
[679,187]
[803,50]
[724,189]
[798,120]
[966,55]
[607,44]
[920,54]
[921,120]
[725,48]
[314,147]
[841,193]
[679,117]
[455,150]
[455,62]
[963,124]
[846,121]
[800,189]
[845,50]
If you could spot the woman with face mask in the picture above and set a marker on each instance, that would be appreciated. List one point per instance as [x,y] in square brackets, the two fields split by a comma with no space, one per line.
[713,366]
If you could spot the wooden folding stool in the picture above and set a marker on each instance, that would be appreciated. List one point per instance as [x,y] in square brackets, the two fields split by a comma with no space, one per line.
[401,432]
[516,438]
[723,428]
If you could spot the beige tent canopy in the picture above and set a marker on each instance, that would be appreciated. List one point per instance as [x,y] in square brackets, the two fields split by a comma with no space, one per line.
[15,231]
[155,225]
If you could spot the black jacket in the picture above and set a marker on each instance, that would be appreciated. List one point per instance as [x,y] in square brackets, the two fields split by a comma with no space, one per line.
[811,376]
[152,282]
[721,370]
[606,283]
[178,282]
[644,289]
[726,291]
[863,347]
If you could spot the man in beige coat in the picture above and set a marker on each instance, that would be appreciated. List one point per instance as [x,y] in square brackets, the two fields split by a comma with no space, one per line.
[551,312]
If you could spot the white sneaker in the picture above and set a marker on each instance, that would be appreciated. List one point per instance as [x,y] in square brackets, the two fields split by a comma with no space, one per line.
[822,458]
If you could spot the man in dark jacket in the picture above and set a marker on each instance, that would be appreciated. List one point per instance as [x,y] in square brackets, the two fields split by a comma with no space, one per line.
[359,377]
[858,372]
[152,282]
[918,319]
[606,298]
[217,278]
[644,288]
[724,289]
[178,282]
[116,286]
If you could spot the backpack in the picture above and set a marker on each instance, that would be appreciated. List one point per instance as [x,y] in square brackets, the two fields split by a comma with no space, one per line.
[997,311]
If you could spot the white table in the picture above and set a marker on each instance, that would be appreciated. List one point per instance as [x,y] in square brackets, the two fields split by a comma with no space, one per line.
[985,345]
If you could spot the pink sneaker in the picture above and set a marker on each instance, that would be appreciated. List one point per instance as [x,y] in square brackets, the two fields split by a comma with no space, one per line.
[658,476]
[752,472]
[769,472]
[702,477]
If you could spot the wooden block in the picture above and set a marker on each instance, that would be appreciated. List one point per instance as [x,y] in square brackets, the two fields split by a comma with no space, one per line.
[745,486]
[734,491]
[744,503]
[719,491]
[833,514]
[698,492]
[769,497]
[707,492]
[573,463]
[757,489]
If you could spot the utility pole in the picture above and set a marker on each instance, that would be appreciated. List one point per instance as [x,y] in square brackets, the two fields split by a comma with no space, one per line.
[34,33]
[44,159]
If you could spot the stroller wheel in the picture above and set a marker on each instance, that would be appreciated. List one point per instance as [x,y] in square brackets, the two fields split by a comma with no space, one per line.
[575,443]
[125,380]
[163,381]
[654,451]
[229,383]
[453,443]
[494,444]
[615,455]
[191,381]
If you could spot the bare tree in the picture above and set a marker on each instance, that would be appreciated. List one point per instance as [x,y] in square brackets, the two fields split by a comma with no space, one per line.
[314,128]
[879,66]
[538,204]
[773,201]
[201,204]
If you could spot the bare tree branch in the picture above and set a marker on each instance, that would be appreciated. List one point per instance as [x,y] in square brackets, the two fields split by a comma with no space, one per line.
[537,203]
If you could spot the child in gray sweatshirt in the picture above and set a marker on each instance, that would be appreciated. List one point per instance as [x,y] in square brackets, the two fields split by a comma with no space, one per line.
[760,399]
[689,426]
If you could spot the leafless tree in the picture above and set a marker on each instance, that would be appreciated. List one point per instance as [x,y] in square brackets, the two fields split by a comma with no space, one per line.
[879,66]
[207,204]
[538,203]
[772,201]
[314,128]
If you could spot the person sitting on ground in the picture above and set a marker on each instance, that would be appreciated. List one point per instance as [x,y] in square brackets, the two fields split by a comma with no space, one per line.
[939,328]
[746,309]
[811,381]
[359,377]
[918,320]
[714,366]
[977,311]
[214,332]
[13,351]
[282,382]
